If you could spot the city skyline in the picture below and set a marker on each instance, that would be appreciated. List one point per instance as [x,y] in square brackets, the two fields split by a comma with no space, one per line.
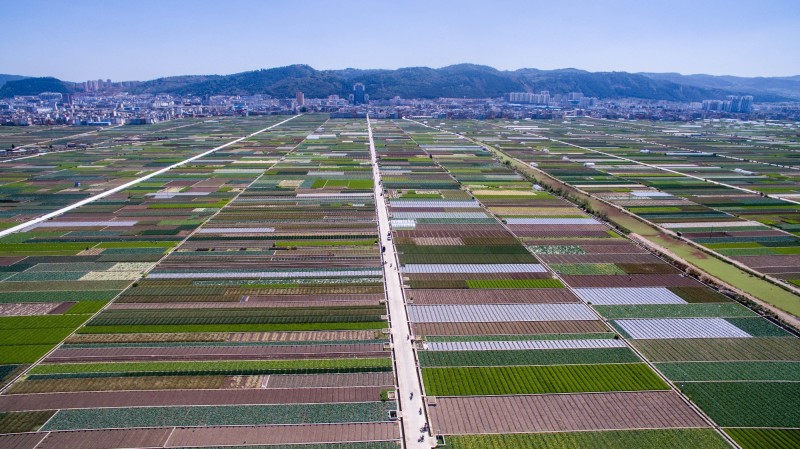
[148,40]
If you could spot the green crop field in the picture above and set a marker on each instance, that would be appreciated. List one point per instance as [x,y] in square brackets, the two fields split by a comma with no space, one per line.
[40,322]
[34,336]
[713,371]
[513,357]
[697,310]
[540,379]
[587,268]
[747,404]
[759,327]
[221,367]
[241,415]
[719,349]
[46,296]
[613,439]
[765,438]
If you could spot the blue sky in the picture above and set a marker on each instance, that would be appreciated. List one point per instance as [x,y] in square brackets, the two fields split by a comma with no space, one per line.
[144,39]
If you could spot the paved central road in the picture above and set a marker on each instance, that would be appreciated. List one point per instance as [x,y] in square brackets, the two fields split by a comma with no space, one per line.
[408,381]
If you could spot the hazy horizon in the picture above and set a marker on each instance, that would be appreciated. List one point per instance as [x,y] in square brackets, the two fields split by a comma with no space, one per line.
[384,68]
[147,39]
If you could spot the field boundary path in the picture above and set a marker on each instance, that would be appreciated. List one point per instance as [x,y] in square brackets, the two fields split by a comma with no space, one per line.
[409,385]
[127,185]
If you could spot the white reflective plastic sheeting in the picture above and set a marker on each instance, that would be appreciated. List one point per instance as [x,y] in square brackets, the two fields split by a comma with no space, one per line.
[669,328]
[475,268]
[524,345]
[623,296]
[500,313]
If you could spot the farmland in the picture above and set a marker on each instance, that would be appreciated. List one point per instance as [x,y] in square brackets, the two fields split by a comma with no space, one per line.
[479,361]
[110,158]
[748,404]
[530,358]
[678,439]
[242,296]
[243,287]
[465,381]
[731,198]
[755,438]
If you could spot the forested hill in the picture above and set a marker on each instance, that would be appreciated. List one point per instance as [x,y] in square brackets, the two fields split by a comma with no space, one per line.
[463,80]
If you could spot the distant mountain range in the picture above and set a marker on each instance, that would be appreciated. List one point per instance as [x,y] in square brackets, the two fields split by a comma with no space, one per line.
[462,80]
[35,86]
[4,78]
[788,86]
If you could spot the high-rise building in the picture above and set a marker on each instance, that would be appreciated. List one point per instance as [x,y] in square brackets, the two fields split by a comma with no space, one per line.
[746,104]
[587,102]
[520,97]
[359,94]
[733,103]
[300,98]
[739,104]
[542,97]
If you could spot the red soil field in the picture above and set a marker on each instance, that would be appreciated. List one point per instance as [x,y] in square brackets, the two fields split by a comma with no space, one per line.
[106,439]
[21,440]
[562,412]
[310,433]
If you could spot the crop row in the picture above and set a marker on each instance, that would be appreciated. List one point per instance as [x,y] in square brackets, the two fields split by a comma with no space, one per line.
[121,320]
[587,268]
[696,310]
[257,327]
[731,371]
[720,349]
[472,381]
[467,258]
[208,382]
[747,404]
[765,438]
[242,415]
[513,357]
[17,422]
[235,312]
[613,439]
[509,283]
[222,367]
[584,336]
